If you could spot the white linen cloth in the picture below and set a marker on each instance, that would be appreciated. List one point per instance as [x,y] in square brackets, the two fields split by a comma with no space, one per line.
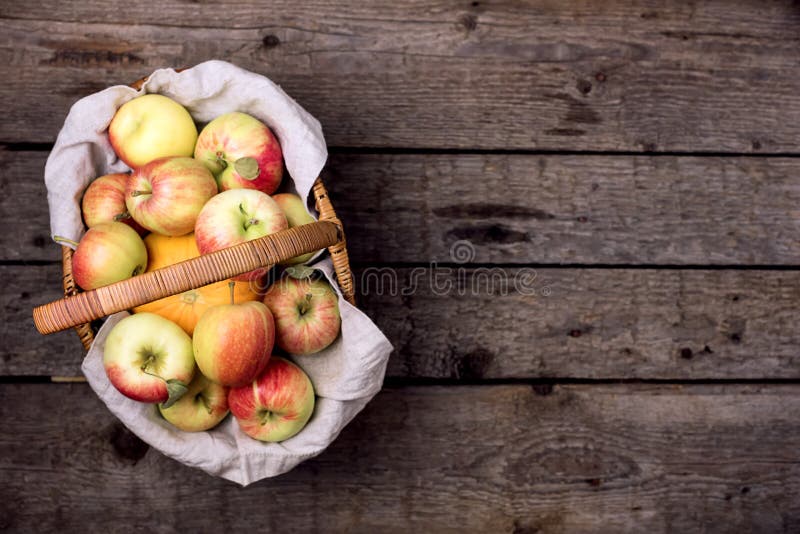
[346,375]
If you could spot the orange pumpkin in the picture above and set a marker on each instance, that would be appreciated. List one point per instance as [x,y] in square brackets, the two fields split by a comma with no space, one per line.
[185,309]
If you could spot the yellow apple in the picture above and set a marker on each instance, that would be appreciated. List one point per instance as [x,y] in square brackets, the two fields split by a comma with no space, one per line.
[151,127]
[202,407]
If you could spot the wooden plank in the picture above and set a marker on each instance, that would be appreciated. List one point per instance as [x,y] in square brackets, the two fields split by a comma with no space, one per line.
[617,75]
[569,209]
[518,209]
[437,459]
[23,206]
[460,323]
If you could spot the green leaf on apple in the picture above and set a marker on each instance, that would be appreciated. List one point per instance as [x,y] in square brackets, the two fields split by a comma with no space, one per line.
[247,168]
[300,272]
[176,389]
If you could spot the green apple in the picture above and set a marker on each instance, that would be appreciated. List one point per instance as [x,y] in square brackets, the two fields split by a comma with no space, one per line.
[202,407]
[297,215]
[149,358]
[151,127]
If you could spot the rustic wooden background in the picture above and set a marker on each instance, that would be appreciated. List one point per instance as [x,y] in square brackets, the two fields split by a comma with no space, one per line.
[640,156]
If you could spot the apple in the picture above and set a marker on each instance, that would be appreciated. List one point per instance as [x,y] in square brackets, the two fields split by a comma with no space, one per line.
[233,342]
[241,152]
[151,127]
[306,312]
[149,358]
[107,253]
[236,216]
[277,405]
[297,215]
[202,407]
[104,201]
[166,195]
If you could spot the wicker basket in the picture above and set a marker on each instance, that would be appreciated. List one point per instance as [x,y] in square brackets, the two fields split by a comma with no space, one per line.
[79,308]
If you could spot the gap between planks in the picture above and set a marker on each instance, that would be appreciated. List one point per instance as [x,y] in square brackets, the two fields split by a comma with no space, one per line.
[26,146]
[535,383]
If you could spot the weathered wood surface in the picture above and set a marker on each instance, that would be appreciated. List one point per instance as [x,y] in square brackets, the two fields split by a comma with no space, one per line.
[436,459]
[616,75]
[520,323]
[405,80]
[518,209]
[568,209]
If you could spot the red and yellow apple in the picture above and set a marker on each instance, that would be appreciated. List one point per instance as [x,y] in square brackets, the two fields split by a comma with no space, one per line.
[296,215]
[108,252]
[151,127]
[236,216]
[277,405]
[104,201]
[149,358]
[233,342]
[166,195]
[306,312]
[241,152]
[202,407]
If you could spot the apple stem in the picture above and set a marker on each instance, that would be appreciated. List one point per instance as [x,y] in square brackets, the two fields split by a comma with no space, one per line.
[147,362]
[139,193]
[205,403]
[232,287]
[221,159]
[264,417]
[306,304]
[122,216]
[59,239]
[250,222]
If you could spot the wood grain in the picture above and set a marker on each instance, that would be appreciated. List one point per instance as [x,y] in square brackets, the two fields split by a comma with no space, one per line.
[569,209]
[589,323]
[517,209]
[617,75]
[437,459]
[473,324]
[456,111]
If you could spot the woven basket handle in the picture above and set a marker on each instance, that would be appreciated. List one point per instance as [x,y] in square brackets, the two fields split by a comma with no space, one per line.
[82,308]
